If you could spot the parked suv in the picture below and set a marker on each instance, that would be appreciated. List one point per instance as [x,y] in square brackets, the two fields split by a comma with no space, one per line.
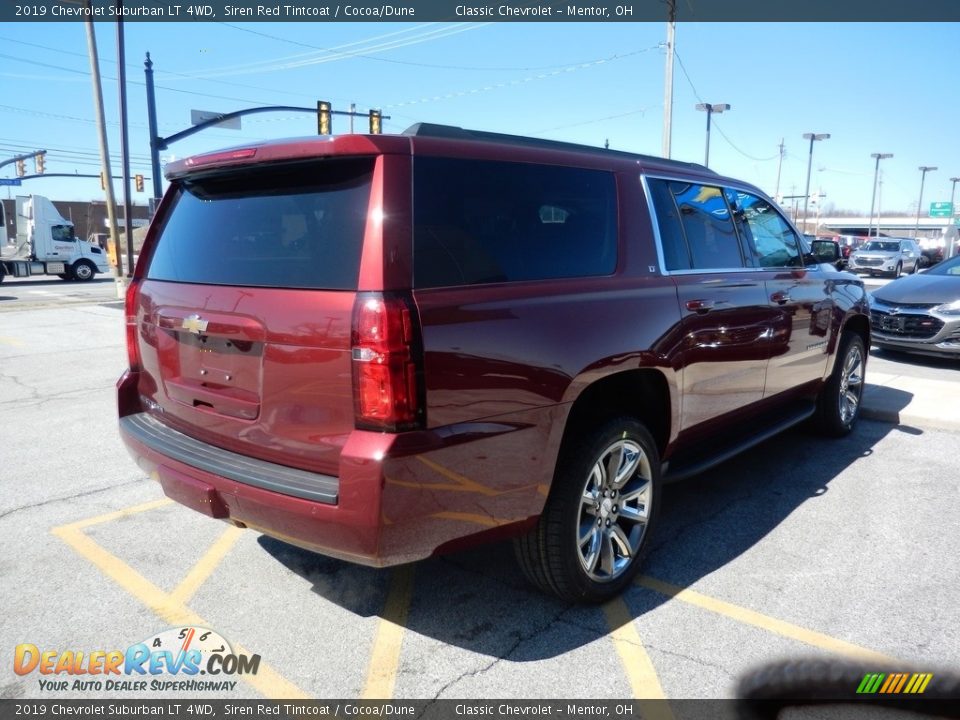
[892,256]
[382,348]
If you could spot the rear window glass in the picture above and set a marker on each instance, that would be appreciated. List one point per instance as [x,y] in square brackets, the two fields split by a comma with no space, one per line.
[486,222]
[296,226]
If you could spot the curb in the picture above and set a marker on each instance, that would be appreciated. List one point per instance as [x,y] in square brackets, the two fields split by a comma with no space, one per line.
[929,404]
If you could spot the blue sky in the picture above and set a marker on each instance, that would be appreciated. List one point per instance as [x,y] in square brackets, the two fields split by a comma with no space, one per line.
[874,87]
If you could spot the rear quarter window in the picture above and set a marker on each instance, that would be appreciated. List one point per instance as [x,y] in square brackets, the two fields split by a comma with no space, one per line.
[284,226]
[485,222]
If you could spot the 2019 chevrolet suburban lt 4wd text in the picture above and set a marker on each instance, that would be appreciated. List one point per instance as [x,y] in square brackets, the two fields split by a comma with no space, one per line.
[381,348]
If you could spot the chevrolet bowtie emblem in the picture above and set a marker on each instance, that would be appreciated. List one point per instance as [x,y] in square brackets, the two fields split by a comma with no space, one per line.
[194,324]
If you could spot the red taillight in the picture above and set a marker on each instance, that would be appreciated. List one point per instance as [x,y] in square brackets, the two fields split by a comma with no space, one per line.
[130,316]
[385,389]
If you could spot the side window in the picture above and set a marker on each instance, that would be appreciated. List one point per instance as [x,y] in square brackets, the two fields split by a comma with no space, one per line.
[481,222]
[676,254]
[768,234]
[62,233]
[707,226]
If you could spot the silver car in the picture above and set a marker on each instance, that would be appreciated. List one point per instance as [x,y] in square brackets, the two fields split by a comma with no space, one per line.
[920,313]
[892,256]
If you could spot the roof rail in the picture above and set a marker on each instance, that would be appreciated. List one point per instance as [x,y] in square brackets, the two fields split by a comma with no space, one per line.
[453,132]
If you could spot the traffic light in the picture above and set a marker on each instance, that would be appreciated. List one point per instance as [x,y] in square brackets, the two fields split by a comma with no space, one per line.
[40,165]
[375,122]
[21,170]
[138,181]
[324,118]
[103,180]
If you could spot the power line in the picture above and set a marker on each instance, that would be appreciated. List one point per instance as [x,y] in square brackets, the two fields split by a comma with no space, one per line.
[641,111]
[131,82]
[135,67]
[523,81]
[339,54]
[715,124]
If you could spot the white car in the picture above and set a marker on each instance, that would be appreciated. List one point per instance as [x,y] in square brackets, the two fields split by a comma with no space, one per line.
[891,256]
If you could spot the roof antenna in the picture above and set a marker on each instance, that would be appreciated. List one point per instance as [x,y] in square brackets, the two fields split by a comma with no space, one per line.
[606,143]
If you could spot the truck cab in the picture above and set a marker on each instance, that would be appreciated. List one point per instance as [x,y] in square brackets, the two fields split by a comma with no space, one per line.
[47,244]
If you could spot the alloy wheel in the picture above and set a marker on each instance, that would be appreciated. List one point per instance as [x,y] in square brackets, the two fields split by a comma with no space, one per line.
[615,508]
[851,385]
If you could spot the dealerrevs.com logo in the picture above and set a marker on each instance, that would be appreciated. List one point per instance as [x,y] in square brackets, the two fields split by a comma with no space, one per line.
[169,661]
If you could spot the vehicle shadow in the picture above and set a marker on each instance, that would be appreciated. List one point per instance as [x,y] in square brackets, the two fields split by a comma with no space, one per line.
[478,600]
[57,281]
[908,359]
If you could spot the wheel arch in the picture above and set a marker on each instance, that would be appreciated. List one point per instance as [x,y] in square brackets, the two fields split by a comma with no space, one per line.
[859,324]
[642,393]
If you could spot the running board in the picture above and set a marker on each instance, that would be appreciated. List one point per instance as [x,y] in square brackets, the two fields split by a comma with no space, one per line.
[763,431]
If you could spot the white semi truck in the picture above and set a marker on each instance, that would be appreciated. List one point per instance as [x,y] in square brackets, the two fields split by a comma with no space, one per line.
[46,244]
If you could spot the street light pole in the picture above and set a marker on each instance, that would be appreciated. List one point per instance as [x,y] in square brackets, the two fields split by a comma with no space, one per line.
[953,213]
[710,110]
[873,198]
[924,169]
[812,137]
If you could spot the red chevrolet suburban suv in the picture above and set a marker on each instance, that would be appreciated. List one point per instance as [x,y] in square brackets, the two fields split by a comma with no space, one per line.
[381,348]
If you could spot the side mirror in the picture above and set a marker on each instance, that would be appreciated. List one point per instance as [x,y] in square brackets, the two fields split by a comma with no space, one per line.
[825,251]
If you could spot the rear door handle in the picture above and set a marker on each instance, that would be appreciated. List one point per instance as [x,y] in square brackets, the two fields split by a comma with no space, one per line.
[780,297]
[701,306]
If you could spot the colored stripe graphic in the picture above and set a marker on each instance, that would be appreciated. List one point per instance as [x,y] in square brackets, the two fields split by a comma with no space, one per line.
[870,683]
[894,684]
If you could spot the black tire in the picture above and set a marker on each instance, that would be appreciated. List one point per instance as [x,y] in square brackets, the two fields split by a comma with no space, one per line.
[916,267]
[83,271]
[898,270]
[566,554]
[838,405]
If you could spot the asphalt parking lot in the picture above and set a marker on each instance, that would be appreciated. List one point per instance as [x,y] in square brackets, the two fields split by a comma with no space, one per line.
[803,548]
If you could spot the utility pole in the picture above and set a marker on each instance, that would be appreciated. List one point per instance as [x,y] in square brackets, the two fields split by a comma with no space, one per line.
[668,79]
[124,139]
[104,150]
[776,191]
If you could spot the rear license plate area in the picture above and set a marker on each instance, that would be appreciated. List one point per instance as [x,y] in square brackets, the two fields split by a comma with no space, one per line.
[193,493]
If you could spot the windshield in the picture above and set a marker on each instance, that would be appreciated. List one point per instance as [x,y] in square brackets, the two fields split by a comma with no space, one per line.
[947,267]
[882,245]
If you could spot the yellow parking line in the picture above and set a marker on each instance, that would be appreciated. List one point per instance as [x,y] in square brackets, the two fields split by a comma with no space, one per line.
[11,341]
[644,682]
[132,510]
[207,564]
[267,681]
[765,622]
[385,656]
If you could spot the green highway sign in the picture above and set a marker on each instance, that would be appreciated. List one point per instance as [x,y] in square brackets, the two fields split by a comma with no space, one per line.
[941,209]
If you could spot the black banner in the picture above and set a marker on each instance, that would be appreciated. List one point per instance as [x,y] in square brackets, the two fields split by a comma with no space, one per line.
[501,11]
[191,709]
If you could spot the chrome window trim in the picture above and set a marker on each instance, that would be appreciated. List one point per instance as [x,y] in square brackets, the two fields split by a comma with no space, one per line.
[736,186]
